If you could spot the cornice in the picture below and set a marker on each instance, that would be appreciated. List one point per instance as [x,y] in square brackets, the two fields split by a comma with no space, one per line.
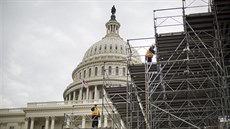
[77,85]
[61,107]
[12,112]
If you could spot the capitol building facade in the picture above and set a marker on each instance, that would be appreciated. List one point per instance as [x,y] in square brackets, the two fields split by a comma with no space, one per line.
[103,62]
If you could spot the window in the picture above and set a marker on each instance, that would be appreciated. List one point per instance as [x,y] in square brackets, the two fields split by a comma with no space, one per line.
[117,70]
[80,75]
[96,69]
[102,70]
[90,72]
[123,71]
[43,127]
[105,48]
[91,51]
[100,49]
[110,70]
[84,73]
[111,47]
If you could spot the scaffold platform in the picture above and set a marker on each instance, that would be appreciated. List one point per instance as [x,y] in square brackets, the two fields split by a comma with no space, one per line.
[188,87]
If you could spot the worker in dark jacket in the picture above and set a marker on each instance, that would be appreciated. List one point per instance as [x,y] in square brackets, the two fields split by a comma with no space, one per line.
[95,116]
[149,54]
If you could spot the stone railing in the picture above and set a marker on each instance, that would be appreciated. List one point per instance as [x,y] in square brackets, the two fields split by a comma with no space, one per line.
[47,104]
[63,103]
[12,110]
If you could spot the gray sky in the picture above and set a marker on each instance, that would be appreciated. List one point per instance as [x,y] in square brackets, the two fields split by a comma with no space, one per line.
[42,41]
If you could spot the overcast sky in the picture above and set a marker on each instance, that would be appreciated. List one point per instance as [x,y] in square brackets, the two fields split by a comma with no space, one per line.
[43,41]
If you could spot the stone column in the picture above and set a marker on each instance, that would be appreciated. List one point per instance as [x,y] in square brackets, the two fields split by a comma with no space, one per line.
[20,124]
[95,92]
[47,123]
[32,123]
[26,123]
[83,122]
[99,122]
[80,95]
[52,122]
[69,97]
[105,121]
[2,125]
[74,96]
[90,94]
[87,94]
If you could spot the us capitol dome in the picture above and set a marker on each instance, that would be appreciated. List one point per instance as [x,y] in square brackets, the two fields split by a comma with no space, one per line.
[105,60]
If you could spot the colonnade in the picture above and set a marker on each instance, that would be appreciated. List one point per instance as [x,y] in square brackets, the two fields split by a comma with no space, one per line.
[29,123]
[105,122]
[84,94]
[3,125]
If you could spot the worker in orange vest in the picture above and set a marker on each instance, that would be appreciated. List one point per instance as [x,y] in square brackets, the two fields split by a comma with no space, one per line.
[95,116]
[149,54]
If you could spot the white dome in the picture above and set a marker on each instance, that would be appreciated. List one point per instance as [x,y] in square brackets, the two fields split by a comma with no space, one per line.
[108,45]
[111,44]
[109,54]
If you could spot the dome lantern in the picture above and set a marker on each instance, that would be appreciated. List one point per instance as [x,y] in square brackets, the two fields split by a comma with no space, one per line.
[112,25]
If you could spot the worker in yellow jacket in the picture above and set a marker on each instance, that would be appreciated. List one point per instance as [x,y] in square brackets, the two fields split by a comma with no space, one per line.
[95,116]
[149,54]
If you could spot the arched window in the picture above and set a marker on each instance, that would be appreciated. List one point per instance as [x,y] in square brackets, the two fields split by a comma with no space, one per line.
[102,70]
[123,71]
[105,48]
[111,47]
[95,50]
[96,69]
[110,70]
[91,51]
[117,70]
[100,49]
[90,72]
[84,73]
[80,75]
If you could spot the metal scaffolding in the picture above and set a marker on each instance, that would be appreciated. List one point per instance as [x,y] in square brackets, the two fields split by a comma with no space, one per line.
[137,94]
[188,87]
[188,84]
[112,95]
